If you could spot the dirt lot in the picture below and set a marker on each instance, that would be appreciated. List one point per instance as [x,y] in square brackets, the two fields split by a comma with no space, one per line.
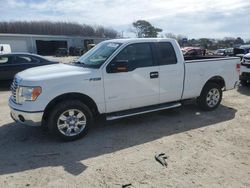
[67,59]
[205,149]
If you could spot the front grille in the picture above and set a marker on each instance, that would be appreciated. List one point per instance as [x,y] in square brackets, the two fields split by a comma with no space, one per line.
[14,88]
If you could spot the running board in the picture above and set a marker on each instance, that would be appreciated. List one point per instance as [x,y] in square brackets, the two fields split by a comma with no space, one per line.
[143,110]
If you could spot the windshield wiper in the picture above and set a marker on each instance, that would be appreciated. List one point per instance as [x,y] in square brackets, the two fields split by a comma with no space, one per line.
[77,62]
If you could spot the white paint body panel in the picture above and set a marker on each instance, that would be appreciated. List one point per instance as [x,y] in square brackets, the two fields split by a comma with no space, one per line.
[199,72]
[131,89]
[172,77]
[59,79]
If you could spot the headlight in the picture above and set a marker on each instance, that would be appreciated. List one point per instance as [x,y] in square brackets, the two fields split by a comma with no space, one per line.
[28,94]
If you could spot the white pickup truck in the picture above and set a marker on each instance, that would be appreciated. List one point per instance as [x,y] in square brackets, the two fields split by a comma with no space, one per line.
[118,78]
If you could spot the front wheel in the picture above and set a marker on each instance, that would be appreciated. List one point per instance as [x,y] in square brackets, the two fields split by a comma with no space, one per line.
[210,97]
[70,120]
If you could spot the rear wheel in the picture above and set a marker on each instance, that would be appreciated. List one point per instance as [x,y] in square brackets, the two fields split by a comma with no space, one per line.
[70,120]
[210,97]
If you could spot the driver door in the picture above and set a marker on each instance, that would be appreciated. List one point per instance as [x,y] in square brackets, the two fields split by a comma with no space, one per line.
[131,79]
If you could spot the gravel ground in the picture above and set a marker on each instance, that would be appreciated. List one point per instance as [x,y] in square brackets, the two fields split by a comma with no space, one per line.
[67,59]
[204,149]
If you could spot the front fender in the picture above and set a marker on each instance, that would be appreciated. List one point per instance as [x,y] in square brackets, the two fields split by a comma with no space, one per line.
[93,89]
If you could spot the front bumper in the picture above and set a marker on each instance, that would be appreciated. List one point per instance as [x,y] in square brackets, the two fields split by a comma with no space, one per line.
[27,118]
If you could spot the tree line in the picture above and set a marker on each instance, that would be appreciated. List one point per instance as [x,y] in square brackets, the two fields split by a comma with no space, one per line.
[208,43]
[143,28]
[56,28]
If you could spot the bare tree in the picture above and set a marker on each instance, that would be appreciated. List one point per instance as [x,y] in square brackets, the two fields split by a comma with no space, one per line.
[56,28]
[145,29]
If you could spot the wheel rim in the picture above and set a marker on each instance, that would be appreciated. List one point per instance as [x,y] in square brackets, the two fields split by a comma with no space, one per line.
[213,97]
[71,122]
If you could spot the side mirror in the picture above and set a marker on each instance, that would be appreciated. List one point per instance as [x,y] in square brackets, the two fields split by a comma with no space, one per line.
[1,48]
[118,66]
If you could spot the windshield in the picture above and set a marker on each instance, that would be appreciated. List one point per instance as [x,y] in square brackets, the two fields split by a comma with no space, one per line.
[99,54]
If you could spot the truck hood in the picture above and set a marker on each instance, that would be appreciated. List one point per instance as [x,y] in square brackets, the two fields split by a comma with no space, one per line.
[56,71]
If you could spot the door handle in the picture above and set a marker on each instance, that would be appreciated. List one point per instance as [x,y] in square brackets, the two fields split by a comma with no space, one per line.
[154,75]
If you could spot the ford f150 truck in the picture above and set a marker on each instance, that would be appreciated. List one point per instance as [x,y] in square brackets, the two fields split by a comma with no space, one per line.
[245,70]
[118,78]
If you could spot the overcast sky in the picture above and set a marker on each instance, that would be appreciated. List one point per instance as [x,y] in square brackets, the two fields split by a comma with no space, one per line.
[193,18]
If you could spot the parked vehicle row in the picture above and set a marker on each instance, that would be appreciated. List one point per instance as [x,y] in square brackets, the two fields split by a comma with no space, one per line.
[239,51]
[118,78]
[73,51]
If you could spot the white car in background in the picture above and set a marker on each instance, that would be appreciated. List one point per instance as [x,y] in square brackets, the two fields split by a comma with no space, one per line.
[5,49]
[245,70]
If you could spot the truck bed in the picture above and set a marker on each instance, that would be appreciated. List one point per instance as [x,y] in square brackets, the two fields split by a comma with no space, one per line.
[200,57]
[199,71]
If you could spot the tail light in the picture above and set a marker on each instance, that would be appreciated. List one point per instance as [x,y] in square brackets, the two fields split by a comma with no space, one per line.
[238,68]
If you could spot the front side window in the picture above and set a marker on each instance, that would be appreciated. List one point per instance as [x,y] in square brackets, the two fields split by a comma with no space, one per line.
[99,54]
[136,55]
[166,53]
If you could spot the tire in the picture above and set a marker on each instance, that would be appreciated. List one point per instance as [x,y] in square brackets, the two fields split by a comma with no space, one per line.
[243,82]
[70,120]
[210,97]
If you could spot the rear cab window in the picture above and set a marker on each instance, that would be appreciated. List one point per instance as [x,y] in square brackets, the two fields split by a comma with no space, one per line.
[166,53]
[4,60]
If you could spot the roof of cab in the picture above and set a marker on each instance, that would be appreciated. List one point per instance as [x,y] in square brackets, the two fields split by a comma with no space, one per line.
[131,40]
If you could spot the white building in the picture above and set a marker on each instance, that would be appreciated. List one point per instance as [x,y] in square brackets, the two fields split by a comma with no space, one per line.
[45,44]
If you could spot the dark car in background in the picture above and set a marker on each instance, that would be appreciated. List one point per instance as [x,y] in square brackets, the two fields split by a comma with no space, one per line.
[10,64]
[62,52]
[245,48]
